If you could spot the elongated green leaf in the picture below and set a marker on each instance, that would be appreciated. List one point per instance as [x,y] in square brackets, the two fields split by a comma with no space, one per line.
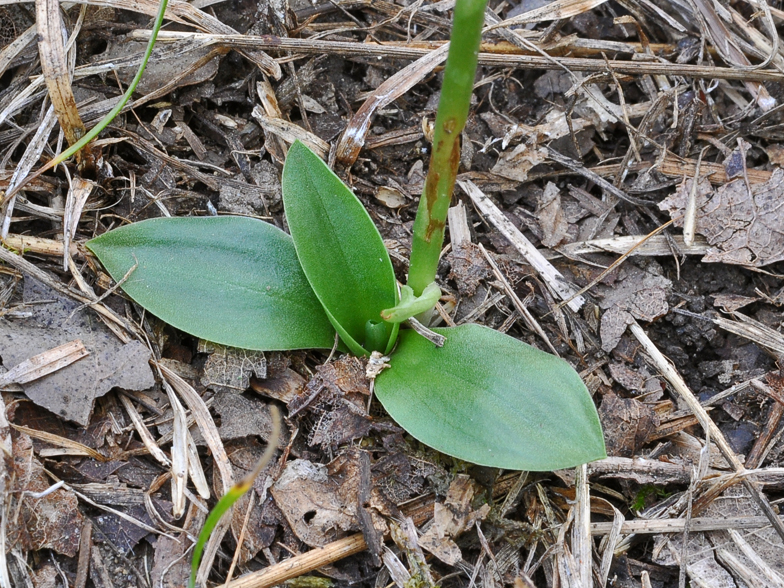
[338,246]
[232,280]
[216,514]
[234,494]
[487,398]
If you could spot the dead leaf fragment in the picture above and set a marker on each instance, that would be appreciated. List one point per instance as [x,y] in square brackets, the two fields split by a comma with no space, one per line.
[165,65]
[626,377]
[636,295]
[516,163]
[284,385]
[337,396]
[391,197]
[263,519]
[468,267]
[319,502]
[230,369]
[551,216]
[170,567]
[451,519]
[775,154]
[742,228]
[71,392]
[52,521]
[242,417]
[627,423]
[732,302]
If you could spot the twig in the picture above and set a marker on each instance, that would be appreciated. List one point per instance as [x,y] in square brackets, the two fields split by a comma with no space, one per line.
[581,529]
[696,525]
[302,564]
[620,260]
[532,323]
[647,245]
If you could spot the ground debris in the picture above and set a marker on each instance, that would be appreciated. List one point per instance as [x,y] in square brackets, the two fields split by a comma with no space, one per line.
[636,295]
[337,397]
[551,217]
[732,302]
[321,502]
[254,512]
[240,417]
[726,558]
[468,267]
[71,391]
[743,227]
[627,424]
[230,369]
[51,521]
[516,163]
[450,519]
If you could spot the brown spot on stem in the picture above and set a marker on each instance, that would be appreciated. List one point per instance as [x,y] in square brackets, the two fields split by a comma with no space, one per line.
[431,190]
[433,226]
[450,125]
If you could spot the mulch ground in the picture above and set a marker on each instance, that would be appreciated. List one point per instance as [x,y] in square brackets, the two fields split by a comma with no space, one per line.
[634,145]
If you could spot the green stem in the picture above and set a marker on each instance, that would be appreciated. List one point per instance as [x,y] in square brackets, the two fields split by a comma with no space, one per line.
[450,121]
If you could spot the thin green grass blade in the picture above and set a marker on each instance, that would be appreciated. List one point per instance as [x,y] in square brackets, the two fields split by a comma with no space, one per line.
[223,506]
[233,495]
[110,116]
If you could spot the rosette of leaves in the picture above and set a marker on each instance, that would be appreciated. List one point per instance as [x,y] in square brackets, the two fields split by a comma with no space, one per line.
[483,397]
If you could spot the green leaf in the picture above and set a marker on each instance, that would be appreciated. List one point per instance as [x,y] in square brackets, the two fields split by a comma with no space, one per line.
[234,494]
[216,514]
[339,247]
[487,398]
[232,280]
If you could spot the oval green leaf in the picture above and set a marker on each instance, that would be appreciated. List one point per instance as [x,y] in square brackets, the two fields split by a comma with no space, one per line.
[232,280]
[492,400]
[339,247]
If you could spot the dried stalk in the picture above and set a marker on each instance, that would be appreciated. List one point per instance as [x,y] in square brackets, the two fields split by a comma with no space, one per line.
[371,50]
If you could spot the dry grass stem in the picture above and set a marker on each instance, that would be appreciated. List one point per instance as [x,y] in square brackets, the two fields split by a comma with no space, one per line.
[582,545]
[59,441]
[551,276]
[57,69]
[526,315]
[353,138]
[696,525]
[353,49]
[33,151]
[676,381]
[632,245]
[44,363]
[144,433]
